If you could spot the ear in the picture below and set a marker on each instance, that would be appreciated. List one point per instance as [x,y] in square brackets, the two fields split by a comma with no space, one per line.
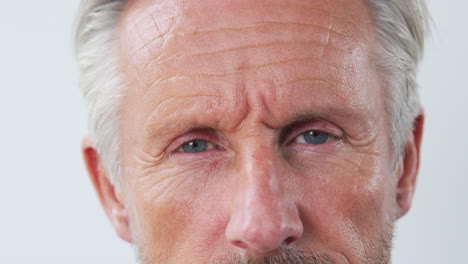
[408,171]
[111,201]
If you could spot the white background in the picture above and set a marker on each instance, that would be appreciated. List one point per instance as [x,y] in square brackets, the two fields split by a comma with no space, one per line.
[50,214]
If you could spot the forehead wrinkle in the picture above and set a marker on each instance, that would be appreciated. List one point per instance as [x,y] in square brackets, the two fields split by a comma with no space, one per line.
[328,30]
[306,98]
[201,31]
[281,8]
[168,104]
[144,51]
[143,16]
[238,72]
[334,16]
[212,110]
[313,82]
[160,34]
[243,68]
[158,60]
[169,85]
[311,16]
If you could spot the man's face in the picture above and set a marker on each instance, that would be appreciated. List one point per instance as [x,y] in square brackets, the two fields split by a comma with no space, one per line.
[254,131]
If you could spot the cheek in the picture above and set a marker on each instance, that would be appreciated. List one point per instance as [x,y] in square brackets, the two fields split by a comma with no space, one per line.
[179,211]
[347,201]
[154,222]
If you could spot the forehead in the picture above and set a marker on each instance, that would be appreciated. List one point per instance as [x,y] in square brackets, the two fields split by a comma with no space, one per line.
[283,53]
[164,31]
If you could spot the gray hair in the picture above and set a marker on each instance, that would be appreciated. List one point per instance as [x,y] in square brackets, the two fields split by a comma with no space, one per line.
[401,26]
[101,80]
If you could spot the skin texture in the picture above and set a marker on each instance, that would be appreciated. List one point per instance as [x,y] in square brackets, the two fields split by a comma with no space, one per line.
[250,78]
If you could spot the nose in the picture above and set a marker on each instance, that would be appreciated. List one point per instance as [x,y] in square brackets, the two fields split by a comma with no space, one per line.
[263,216]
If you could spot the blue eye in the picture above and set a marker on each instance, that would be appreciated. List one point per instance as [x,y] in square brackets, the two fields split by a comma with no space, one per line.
[196,146]
[313,138]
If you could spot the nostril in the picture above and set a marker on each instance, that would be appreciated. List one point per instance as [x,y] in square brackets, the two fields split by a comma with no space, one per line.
[290,240]
[239,244]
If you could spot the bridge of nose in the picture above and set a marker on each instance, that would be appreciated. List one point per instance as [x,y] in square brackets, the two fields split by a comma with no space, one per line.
[263,217]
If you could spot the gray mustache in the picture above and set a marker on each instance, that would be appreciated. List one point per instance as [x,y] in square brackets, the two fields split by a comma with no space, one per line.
[286,256]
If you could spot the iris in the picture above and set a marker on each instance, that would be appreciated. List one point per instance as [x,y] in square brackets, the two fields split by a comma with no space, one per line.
[315,137]
[195,146]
